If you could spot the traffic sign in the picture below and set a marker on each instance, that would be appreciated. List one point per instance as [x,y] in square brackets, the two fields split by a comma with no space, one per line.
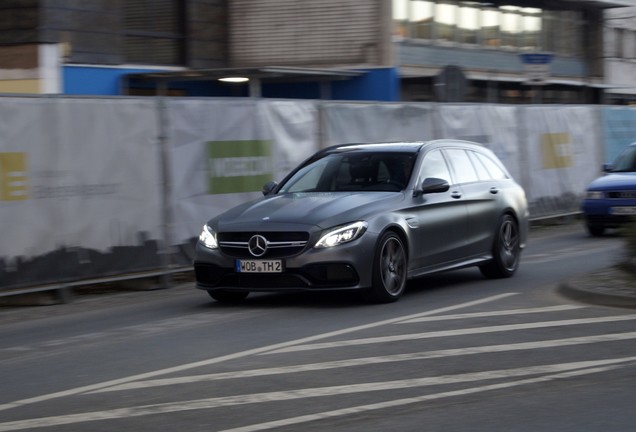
[537,67]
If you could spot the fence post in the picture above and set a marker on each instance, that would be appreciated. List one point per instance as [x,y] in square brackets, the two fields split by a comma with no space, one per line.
[165,252]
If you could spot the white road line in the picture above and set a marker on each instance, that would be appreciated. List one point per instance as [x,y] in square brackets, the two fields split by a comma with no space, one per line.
[217,402]
[216,360]
[492,313]
[418,399]
[449,333]
[365,361]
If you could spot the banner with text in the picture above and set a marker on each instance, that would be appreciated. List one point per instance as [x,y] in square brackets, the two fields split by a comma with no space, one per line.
[79,188]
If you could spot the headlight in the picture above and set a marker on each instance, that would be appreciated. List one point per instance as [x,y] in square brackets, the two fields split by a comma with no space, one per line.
[208,238]
[595,195]
[340,235]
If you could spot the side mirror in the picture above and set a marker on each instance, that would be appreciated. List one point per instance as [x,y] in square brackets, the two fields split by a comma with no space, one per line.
[607,167]
[269,187]
[434,185]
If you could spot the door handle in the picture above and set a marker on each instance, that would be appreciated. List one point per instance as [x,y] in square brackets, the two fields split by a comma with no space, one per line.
[494,190]
[456,194]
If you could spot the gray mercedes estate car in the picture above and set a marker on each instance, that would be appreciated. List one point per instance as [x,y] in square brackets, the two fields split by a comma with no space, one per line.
[368,217]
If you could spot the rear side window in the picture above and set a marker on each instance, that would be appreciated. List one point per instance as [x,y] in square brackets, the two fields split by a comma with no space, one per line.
[493,168]
[463,169]
[482,172]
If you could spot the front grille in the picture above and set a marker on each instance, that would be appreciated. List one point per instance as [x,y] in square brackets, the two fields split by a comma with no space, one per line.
[626,194]
[279,244]
[609,220]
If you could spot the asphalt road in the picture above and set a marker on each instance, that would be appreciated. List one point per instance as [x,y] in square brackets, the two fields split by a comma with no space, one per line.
[457,352]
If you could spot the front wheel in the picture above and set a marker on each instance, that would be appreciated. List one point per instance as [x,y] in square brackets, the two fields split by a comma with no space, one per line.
[506,250]
[390,265]
[232,297]
[595,230]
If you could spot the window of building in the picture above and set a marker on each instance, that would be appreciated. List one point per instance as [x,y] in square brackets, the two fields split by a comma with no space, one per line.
[619,42]
[531,29]
[572,30]
[421,15]
[154,32]
[510,26]
[468,24]
[445,21]
[400,18]
[563,32]
[477,23]
[490,30]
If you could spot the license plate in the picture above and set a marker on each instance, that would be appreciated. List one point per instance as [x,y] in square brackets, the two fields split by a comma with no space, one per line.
[624,210]
[259,266]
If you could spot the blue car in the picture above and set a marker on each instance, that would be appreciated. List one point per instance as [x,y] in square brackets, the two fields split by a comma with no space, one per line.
[611,199]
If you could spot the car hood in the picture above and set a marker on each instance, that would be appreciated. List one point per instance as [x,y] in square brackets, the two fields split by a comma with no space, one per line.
[614,181]
[302,210]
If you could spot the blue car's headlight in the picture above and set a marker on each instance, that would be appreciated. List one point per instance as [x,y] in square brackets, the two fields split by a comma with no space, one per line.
[208,238]
[343,234]
[595,195]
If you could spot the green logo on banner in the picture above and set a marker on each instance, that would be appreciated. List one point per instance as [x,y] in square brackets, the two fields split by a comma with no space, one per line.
[239,166]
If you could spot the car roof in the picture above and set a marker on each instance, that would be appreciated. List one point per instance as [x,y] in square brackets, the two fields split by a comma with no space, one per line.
[398,146]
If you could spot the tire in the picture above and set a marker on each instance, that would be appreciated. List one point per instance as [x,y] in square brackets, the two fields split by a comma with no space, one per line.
[390,266]
[506,250]
[595,230]
[231,297]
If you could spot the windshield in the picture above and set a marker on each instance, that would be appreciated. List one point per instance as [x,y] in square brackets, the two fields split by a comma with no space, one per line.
[349,171]
[626,161]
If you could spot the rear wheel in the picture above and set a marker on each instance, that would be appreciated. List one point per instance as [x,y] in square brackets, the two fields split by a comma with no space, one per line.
[506,250]
[223,296]
[389,269]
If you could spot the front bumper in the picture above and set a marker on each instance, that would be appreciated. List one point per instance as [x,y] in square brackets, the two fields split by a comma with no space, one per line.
[601,212]
[344,267]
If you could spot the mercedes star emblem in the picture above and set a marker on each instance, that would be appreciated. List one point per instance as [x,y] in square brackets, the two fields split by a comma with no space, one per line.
[257,245]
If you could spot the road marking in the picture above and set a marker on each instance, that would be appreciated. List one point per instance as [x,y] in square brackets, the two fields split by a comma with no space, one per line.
[449,333]
[246,353]
[554,371]
[492,313]
[365,361]
[418,399]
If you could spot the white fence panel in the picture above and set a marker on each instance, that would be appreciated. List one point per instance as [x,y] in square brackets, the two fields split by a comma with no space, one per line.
[372,122]
[563,155]
[493,126]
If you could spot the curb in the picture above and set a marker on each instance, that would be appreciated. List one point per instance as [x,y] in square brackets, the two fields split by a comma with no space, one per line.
[596,297]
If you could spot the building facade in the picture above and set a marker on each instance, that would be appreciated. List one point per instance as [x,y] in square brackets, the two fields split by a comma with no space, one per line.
[85,47]
[512,51]
[620,55]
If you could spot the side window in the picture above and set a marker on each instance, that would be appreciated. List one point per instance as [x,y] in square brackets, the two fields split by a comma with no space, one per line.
[495,171]
[482,172]
[463,169]
[434,165]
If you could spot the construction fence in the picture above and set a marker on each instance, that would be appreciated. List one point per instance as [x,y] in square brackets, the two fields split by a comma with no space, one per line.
[92,187]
